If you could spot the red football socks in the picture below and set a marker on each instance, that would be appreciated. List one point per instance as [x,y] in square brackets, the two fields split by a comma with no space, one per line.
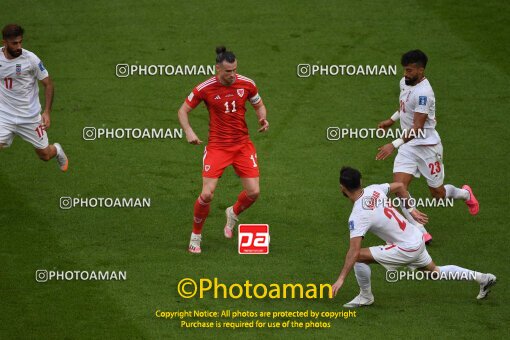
[200,213]
[243,203]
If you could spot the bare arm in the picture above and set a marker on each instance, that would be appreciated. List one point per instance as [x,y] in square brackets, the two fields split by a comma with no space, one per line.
[386,150]
[399,190]
[260,110]
[390,121]
[350,259]
[418,124]
[183,113]
[48,101]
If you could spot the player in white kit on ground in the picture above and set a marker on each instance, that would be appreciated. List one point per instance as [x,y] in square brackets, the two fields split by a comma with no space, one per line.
[405,245]
[20,109]
[421,155]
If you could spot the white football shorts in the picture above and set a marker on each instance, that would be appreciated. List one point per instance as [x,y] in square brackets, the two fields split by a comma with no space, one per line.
[391,256]
[30,132]
[424,160]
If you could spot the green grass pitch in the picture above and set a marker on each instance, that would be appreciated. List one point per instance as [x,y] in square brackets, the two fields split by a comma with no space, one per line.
[80,44]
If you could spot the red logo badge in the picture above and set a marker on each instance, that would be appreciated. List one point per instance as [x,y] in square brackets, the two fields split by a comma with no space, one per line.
[253,239]
[240,92]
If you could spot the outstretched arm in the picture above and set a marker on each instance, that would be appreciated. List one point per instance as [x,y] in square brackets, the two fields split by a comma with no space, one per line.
[350,259]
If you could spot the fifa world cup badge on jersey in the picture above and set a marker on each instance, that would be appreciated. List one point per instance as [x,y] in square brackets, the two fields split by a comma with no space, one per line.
[422,100]
[41,67]
[240,92]
[18,69]
[351,225]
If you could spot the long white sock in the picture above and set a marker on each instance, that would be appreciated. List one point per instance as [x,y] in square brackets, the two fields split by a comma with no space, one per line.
[456,193]
[59,149]
[362,271]
[463,274]
[408,216]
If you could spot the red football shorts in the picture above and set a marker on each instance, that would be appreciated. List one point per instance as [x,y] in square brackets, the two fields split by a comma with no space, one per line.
[243,157]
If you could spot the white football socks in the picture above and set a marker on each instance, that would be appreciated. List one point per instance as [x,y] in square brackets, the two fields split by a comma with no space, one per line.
[458,273]
[456,193]
[362,271]
[59,149]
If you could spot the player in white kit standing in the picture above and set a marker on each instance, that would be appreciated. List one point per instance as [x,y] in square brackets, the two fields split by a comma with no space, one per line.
[404,242]
[418,154]
[20,109]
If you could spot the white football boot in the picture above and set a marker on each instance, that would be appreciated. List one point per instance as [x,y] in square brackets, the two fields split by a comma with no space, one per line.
[194,243]
[360,301]
[488,280]
[62,160]
[231,222]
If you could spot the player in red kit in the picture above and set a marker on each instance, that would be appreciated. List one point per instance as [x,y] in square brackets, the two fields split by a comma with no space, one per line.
[225,96]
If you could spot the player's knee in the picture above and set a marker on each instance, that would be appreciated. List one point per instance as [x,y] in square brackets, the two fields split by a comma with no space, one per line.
[207,196]
[253,194]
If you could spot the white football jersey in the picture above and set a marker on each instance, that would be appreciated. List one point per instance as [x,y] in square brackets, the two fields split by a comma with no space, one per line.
[419,98]
[19,90]
[371,214]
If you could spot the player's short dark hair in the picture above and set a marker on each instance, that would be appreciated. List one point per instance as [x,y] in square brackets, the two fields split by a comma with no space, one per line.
[414,57]
[12,31]
[223,55]
[350,178]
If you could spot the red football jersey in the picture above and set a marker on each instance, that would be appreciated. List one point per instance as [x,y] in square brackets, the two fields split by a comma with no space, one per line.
[226,106]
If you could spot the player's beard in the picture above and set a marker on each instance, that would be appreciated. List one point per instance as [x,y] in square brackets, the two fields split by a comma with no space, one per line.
[411,81]
[14,53]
